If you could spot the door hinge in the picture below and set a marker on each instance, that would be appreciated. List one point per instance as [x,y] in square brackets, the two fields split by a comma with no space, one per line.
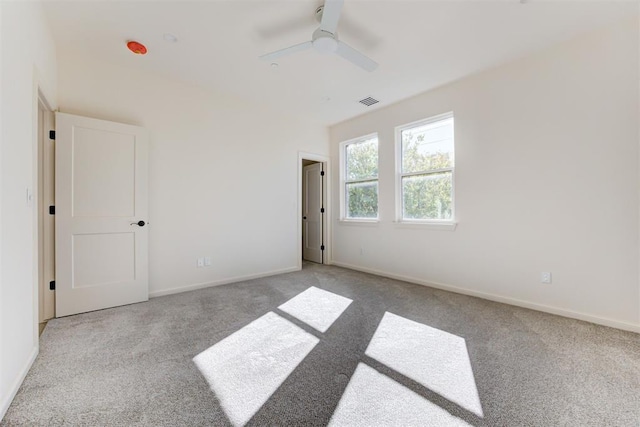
[52,210]
[322,248]
[52,285]
[321,173]
[52,134]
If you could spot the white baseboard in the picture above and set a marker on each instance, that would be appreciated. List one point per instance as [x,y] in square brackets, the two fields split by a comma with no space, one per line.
[226,281]
[7,399]
[498,298]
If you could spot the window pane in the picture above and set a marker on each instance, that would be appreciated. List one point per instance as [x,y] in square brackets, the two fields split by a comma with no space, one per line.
[362,200]
[362,160]
[427,196]
[427,147]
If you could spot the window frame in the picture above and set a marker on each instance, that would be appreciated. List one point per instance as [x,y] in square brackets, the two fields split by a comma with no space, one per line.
[448,224]
[344,181]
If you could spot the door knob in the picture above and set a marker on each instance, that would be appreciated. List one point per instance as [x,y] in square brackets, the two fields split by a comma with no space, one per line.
[139,223]
[304,217]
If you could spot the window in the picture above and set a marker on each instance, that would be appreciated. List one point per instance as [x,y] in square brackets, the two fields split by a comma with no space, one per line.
[360,178]
[426,164]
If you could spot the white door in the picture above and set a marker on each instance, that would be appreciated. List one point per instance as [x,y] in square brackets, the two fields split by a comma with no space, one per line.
[311,213]
[101,197]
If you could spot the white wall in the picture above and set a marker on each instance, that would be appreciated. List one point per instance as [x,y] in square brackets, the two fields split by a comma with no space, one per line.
[546,180]
[223,173]
[28,61]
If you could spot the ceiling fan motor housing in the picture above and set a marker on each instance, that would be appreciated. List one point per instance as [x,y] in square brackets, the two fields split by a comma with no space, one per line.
[324,42]
[325,39]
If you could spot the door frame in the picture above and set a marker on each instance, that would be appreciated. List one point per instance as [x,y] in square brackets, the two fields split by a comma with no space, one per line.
[326,196]
[40,99]
[46,222]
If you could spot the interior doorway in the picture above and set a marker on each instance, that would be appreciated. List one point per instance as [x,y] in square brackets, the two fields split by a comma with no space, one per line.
[45,190]
[314,211]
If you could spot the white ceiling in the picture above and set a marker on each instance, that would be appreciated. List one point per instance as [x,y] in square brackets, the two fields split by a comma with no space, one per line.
[419,44]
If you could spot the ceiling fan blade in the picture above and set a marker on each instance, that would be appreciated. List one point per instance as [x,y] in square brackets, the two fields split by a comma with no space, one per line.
[331,15]
[357,58]
[286,51]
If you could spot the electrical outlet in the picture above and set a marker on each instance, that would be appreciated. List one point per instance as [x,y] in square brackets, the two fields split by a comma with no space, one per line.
[200,262]
[207,261]
[545,277]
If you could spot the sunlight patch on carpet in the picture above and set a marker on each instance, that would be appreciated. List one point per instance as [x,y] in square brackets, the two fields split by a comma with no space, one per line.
[433,358]
[373,399]
[316,307]
[247,367]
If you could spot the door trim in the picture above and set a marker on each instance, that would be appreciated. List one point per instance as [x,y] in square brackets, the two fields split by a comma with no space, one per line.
[41,97]
[326,195]
[45,197]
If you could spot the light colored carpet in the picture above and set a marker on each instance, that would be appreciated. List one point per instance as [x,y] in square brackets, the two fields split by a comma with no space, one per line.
[372,399]
[397,354]
[317,308]
[245,368]
[433,358]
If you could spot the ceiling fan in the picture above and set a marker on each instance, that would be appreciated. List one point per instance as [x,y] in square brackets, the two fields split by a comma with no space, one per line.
[325,39]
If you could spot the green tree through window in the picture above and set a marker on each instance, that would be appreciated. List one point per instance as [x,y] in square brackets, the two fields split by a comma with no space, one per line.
[361,179]
[427,170]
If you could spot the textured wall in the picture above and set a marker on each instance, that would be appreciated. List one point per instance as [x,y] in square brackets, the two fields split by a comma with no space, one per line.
[546,180]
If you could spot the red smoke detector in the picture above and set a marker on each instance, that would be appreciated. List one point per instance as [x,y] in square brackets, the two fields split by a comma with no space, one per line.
[137,48]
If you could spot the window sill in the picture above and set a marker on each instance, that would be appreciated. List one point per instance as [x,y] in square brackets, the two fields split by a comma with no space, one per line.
[360,222]
[443,226]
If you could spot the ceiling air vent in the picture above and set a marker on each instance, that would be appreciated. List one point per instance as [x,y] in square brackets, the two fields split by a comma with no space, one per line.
[368,101]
